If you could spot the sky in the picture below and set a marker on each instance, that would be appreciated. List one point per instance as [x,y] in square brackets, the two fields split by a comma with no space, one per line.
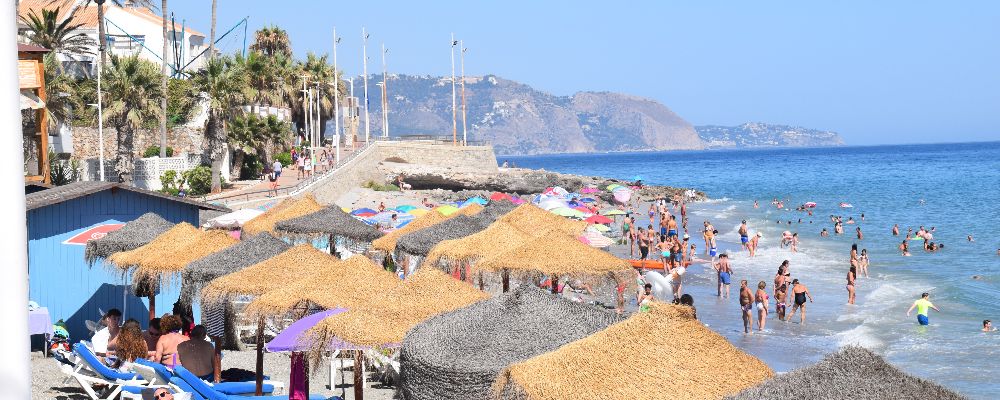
[880,72]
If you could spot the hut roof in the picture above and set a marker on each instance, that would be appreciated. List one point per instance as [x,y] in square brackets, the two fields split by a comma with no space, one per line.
[329,221]
[530,217]
[388,316]
[285,210]
[670,356]
[247,252]
[170,253]
[351,283]
[301,261]
[134,234]
[457,355]
[851,373]
[558,255]
[422,241]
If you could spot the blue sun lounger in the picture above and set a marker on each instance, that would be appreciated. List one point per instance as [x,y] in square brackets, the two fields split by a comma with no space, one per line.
[202,388]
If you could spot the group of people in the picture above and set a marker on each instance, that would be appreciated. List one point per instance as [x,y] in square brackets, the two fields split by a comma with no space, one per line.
[171,340]
[927,235]
[759,300]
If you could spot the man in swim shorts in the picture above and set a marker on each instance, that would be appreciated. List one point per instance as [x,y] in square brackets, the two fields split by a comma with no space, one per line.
[672,226]
[744,236]
[725,273]
[746,307]
[922,304]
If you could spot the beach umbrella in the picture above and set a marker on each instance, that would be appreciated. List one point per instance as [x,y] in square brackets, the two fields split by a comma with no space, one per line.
[418,211]
[292,338]
[612,211]
[567,212]
[589,190]
[405,208]
[328,223]
[622,195]
[346,209]
[475,200]
[596,239]
[233,220]
[446,209]
[285,210]
[810,204]
[613,186]
[499,196]
[363,212]
[549,204]
[601,227]
[599,219]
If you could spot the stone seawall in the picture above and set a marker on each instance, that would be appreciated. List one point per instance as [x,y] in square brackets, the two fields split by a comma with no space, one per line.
[183,139]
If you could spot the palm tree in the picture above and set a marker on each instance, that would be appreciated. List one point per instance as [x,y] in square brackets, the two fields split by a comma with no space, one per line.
[244,137]
[133,91]
[226,88]
[61,90]
[211,40]
[271,41]
[60,37]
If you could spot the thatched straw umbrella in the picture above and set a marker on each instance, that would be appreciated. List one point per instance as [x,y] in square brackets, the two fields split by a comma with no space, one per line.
[387,243]
[331,222]
[134,234]
[530,217]
[558,256]
[661,354]
[285,210]
[851,373]
[421,242]
[302,261]
[249,251]
[458,355]
[351,284]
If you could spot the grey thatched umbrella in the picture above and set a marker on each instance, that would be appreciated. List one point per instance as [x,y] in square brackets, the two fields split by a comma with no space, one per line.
[133,235]
[421,242]
[248,252]
[458,355]
[851,373]
[329,221]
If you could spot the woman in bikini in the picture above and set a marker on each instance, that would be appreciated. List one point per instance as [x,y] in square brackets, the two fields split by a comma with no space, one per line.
[854,255]
[166,347]
[852,275]
[863,262]
[801,292]
[761,299]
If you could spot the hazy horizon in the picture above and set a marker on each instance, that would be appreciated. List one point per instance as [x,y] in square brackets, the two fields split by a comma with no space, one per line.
[877,73]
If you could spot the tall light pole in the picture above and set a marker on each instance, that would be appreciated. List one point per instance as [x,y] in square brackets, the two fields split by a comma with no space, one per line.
[306,104]
[364,56]
[385,94]
[454,110]
[100,124]
[336,96]
[465,142]
[351,111]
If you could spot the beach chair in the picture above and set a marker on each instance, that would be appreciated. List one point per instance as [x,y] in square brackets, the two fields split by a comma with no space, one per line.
[385,365]
[92,375]
[158,375]
[337,367]
[182,375]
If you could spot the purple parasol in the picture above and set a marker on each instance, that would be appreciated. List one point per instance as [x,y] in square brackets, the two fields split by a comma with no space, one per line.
[291,339]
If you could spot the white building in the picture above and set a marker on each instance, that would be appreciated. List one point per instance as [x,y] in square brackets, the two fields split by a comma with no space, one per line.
[129,30]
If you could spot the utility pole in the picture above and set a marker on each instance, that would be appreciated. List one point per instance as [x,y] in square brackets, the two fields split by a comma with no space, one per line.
[465,142]
[364,56]
[352,108]
[100,124]
[385,94]
[336,96]
[306,113]
[454,107]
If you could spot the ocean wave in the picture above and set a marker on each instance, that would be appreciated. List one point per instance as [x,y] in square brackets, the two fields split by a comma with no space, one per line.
[715,201]
[859,336]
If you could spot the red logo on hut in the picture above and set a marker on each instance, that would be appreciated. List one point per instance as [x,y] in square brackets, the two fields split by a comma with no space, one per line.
[96,232]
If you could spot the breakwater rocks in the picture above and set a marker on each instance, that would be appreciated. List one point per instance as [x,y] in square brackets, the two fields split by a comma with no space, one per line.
[513,180]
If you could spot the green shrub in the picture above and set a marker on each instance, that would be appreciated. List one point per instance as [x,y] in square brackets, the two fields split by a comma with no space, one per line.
[284,158]
[252,167]
[169,182]
[380,187]
[154,151]
[199,180]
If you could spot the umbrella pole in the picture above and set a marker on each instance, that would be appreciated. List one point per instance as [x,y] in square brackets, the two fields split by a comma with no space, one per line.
[555,284]
[152,306]
[506,280]
[259,390]
[359,369]
[217,360]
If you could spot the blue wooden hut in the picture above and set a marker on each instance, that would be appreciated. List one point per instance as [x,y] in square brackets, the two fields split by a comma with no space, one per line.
[61,220]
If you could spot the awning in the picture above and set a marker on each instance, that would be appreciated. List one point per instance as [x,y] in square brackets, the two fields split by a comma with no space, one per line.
[31,101]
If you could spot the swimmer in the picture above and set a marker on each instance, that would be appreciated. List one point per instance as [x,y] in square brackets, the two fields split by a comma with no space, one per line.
[854,255]
[850,220]
[824,233]
[801,292]
[755,205]
[724,272]
[922,304]
[969,238]
[746,307]
[862,217]
[761,299]
[905,249]
[988,326]
[852,274]
[861,236]
[895,230]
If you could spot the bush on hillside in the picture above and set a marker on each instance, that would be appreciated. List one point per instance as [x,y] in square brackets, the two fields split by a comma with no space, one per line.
[154,151]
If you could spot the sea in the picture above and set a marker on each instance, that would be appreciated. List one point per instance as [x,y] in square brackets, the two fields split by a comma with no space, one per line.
[952,188]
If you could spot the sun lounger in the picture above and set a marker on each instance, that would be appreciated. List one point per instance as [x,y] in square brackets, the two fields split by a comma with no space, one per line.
[163,376]
[204,389]
[337,367]
[91,374]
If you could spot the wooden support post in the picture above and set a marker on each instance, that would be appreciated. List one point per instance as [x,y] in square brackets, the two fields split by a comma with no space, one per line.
[217,360]
[506,280]
[152,304]
[259,390]
[555,284]
[359,370]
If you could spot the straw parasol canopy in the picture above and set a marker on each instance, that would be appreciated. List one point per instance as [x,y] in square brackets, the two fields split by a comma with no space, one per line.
[285,210]
[351,283]
[328,221]
[661,354]
[556,255]
[457,355]
[250,251]
[134,234]
[387,243]
[387,317]
[173,251]
[529,217]
[851,373]
[299,262]
[422,241]
[496,238]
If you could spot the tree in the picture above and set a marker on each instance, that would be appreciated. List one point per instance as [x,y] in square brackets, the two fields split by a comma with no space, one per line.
[271,41]
[62,93]
[226,88]
[60,37]
[133,91]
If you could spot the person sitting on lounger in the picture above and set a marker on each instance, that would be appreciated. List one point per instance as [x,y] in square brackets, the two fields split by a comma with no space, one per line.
[166,347]
[105,340]
[197,354]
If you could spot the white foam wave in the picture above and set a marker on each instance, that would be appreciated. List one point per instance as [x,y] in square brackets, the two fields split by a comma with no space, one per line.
[715,201]
[859,336]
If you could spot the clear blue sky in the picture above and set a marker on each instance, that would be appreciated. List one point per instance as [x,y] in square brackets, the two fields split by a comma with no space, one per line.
[877,72]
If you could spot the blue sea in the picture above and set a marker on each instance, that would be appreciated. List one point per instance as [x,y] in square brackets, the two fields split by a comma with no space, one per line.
[954,188]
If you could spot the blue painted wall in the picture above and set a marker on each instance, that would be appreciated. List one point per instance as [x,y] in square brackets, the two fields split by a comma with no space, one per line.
[58,276]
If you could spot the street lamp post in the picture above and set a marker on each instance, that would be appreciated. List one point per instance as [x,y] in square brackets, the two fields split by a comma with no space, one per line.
[465,141]
[336,96]
[385,93]
[454,111]
[100,124]
[364,56]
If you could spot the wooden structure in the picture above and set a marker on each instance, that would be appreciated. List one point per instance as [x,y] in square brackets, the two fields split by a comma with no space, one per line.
[31,77]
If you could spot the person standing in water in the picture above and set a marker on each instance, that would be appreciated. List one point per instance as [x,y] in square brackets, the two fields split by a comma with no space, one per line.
[852,275]
[781,290]
[744,235]
[724,272]
[863,262]
[904,248]
[746,307]
[922,304]
[861,236]
[895,229]
[761,299]
[752,246]
[854,255]
[800,293]
[672,227]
